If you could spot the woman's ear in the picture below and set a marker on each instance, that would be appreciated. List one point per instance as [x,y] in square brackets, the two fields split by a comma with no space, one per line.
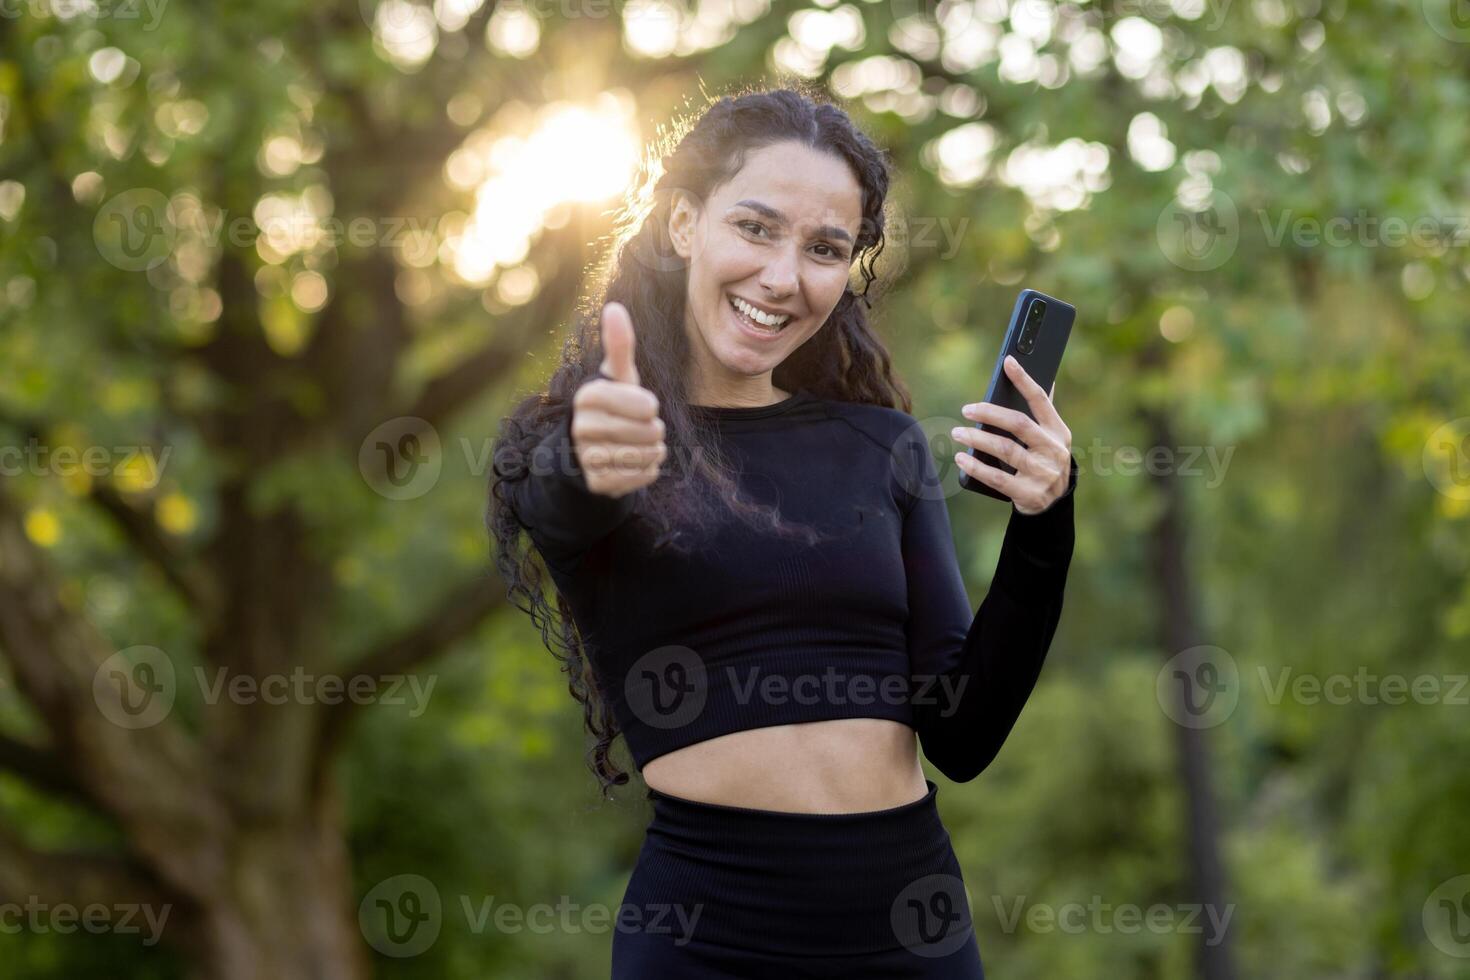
[683,214]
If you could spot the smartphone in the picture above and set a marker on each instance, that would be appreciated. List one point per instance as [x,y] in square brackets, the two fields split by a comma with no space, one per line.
[1037,335]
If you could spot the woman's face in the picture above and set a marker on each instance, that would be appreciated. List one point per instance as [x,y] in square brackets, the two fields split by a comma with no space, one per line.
[779,235]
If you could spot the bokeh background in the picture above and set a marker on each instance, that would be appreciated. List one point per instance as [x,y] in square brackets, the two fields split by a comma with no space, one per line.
[271,273]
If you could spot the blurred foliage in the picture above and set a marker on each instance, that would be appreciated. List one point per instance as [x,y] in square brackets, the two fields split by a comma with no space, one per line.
[1314,372]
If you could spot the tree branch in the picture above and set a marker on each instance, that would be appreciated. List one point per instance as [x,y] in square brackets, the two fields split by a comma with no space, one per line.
[58,187]
[442,397]
[456,617]
[150,778]
[46,879]
[41,770]
[189,580]
[449,392]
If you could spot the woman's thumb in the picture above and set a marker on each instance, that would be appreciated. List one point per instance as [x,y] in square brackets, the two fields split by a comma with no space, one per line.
[617,344]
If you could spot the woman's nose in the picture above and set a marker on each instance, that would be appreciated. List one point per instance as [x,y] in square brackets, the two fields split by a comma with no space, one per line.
[779,275]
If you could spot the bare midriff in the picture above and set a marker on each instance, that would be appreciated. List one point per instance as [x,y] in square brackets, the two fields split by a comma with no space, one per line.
[841,765]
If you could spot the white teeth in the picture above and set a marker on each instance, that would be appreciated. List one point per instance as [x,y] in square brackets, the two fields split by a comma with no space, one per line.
[763,319]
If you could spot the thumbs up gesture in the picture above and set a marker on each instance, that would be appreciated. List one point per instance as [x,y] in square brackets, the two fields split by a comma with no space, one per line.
[616,431]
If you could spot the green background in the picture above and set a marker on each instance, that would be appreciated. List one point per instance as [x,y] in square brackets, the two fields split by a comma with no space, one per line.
[1207,183]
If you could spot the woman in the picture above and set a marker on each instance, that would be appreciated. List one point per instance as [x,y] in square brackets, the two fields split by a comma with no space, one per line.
[772,613]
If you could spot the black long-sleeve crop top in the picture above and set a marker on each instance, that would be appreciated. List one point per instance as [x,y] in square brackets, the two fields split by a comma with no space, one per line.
[755,629]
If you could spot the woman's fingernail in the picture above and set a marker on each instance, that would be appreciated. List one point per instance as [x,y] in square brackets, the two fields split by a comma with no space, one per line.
[956,432]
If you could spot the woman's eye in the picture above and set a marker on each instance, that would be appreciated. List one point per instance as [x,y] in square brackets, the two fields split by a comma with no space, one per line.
[831,253]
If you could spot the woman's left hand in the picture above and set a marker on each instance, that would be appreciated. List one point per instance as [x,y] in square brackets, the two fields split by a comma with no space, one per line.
[1043,458]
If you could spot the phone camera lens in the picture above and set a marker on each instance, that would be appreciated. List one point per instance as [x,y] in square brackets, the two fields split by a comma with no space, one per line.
[1027,341]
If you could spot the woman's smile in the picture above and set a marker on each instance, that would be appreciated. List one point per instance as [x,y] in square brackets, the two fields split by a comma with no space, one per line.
[753,328]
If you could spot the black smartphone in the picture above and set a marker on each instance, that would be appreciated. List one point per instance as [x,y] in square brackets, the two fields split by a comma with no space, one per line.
[1037,335]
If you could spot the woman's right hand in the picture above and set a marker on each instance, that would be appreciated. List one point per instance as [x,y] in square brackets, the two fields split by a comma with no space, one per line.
[616,431]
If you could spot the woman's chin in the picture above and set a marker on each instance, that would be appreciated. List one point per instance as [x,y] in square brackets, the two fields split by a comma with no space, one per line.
[746,362]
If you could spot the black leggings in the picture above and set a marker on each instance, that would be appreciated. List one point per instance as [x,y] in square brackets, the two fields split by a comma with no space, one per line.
[728,893]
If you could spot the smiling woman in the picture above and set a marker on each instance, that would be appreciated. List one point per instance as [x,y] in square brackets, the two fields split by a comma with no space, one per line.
[761,668]
[772,247]
[680,249]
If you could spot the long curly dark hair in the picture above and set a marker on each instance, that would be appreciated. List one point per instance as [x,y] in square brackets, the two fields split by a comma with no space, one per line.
[844,360]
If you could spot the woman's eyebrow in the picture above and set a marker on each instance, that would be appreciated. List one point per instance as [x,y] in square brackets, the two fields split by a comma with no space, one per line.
[765,210]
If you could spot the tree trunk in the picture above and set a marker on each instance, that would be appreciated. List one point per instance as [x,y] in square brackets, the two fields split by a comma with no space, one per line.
[1179,630]
[232,824]
[289,913]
